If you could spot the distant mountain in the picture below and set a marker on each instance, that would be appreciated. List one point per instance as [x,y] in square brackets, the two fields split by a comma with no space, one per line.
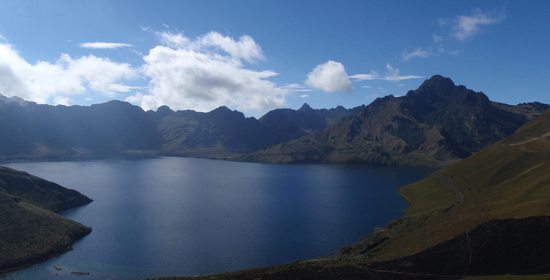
[33,130]
[30,231]
[433,125]
[118,128]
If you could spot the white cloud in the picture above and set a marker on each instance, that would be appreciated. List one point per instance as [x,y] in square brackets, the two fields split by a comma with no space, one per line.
[173,40]
[304,95]
[104,45]
[297,88]
[245,48]
[467,26]
[46,82]
[417,53]
[100,74]
[206,73]
[330,76]
[392,74]
[366,77]
[2,38]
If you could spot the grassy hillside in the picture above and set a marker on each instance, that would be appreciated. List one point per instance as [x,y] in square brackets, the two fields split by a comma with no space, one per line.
[41,193]
[510,179]
[29,234]
[30,231]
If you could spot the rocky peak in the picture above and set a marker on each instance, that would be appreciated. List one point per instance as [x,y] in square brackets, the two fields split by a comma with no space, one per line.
[437,83]
[305,107]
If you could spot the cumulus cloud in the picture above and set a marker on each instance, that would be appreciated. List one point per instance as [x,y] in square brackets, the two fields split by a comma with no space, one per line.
[207,72]
[392,74]
[104,45]
[417,53]
[467,26]
[330,76]
[100,74]
[46,82]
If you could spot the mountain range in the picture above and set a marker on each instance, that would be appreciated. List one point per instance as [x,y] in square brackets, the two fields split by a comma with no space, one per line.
[433,125]
[118,128]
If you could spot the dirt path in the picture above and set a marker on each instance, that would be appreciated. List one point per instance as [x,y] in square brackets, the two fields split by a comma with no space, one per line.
[530,140]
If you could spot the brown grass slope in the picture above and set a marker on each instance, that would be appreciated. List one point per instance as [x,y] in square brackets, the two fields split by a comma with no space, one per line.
[30,231]
[507,180]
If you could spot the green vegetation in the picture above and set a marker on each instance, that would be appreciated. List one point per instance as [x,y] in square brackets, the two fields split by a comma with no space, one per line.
[30,231]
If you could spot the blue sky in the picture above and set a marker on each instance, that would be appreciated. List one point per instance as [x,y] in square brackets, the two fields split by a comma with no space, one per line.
[258,55]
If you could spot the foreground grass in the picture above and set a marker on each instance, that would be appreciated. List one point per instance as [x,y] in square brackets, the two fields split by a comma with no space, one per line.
[510,277]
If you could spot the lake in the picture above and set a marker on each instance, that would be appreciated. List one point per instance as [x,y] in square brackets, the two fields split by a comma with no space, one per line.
[184,216]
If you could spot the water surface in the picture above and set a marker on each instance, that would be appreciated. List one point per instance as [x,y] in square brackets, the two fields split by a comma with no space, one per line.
[183,216]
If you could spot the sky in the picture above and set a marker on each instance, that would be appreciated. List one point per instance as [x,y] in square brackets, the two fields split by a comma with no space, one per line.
[254,56]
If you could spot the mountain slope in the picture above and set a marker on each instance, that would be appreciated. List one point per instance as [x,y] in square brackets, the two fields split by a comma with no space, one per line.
[29,231]
[37,191]
[507,180]
[434,125]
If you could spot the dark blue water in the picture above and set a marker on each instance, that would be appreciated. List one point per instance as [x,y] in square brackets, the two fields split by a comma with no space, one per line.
[183,216]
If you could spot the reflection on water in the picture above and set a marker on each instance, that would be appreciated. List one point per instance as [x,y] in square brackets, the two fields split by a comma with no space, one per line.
[183,216]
